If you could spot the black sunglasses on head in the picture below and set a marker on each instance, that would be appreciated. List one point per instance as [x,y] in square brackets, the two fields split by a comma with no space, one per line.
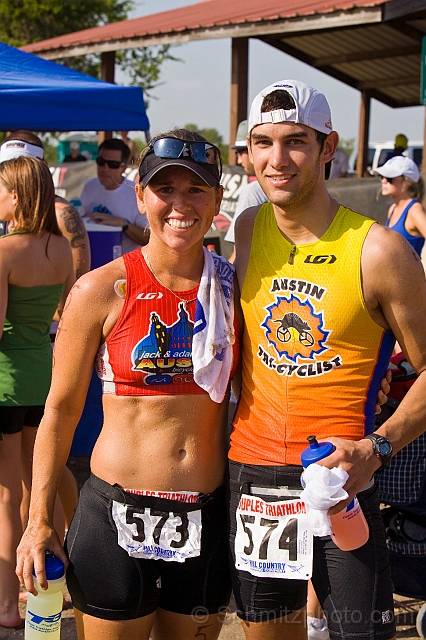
[113,164]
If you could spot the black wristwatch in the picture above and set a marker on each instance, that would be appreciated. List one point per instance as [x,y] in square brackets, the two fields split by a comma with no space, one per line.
[382,448]
[125,226]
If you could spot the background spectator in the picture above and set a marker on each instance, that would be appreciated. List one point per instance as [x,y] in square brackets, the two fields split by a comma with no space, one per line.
[401,180]
[340,164]
[131,144]
[36,273]
[75,155]
[251,194]
[26,143]
[400,145]
[111,199]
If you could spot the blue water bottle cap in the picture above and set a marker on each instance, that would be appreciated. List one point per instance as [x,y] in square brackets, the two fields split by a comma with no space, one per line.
[54,568]
[316,451]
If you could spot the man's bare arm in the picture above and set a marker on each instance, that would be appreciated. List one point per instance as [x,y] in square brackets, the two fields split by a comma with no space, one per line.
[140,235]
[394,288]
[72,227]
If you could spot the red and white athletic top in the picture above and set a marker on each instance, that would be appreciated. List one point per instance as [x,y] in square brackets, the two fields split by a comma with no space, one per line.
[149,350]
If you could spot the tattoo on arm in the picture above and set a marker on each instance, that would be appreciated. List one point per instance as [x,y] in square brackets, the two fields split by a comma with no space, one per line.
[74,225]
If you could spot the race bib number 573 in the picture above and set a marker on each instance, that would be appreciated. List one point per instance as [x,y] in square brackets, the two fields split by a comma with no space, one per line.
[273,538]
[157,535]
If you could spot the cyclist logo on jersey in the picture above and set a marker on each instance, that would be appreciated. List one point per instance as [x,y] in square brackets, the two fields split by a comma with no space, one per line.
[293,321]
[294,329]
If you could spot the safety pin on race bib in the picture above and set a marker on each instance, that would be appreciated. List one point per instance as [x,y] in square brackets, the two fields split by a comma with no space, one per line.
[273,538]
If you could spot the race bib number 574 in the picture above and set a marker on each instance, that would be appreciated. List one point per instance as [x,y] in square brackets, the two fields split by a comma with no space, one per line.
[273,538]
[157,535]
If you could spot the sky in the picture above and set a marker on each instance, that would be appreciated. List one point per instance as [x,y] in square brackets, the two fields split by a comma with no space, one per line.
[197,89]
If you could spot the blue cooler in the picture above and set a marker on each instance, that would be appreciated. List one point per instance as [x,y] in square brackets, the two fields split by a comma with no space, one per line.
[90,424]
[105,243]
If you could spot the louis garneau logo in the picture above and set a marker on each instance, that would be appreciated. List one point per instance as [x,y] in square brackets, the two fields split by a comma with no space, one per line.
[150,295]
[321,259]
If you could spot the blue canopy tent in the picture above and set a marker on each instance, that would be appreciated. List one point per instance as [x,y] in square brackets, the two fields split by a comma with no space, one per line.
[40,95]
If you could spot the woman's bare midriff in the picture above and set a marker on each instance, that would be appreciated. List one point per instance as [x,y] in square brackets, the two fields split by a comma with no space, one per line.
[162,443]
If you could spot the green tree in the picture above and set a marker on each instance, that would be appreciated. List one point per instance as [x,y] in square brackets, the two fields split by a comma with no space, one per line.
[50,150]
[213,136]
[27,21]
[140,144]
[347,145]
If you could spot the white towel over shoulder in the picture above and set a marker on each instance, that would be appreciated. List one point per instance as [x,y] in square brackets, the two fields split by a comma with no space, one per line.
[214,326]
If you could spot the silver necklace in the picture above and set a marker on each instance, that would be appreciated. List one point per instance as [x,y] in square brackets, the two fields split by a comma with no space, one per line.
[184,302]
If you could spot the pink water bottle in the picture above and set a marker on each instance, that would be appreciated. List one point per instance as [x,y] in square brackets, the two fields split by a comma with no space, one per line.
[349,527]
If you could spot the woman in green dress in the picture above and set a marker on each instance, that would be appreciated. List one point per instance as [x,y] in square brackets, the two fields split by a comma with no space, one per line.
[36,274]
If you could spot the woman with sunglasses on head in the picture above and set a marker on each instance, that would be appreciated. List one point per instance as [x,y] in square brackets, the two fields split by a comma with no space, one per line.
[401,180]
[36,274]
[147,547]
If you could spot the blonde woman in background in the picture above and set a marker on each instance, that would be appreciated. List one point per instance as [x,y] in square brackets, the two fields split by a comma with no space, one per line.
[36,274]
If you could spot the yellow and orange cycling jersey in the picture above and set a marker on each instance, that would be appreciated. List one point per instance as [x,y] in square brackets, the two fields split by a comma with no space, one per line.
[313,357]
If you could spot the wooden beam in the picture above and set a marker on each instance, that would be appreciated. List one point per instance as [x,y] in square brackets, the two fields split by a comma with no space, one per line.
[336,73]
[108,66]
[399,81]
[239,90]
[364,125]
[406,29]
[372,54]
[108,75]
[401,8]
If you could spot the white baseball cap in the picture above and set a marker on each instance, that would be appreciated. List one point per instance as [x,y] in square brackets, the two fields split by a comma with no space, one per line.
[15,148]
[241,138]
[312,108]
[400,166]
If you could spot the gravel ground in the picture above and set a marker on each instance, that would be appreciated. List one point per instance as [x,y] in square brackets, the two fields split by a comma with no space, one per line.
[406,611]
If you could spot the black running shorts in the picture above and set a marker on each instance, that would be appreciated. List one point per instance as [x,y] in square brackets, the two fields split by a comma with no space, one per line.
[353,587]
[105,582]
[14,419]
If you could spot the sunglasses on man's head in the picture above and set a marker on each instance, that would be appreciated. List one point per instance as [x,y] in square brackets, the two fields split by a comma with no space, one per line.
[113,164]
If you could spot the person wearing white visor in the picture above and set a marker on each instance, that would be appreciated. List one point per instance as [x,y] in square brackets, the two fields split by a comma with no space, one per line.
[15,148]
[26,143]
[401,180]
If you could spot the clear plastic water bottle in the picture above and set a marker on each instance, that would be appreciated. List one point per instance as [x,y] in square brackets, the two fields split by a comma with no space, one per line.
[349,527]
[43,617]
